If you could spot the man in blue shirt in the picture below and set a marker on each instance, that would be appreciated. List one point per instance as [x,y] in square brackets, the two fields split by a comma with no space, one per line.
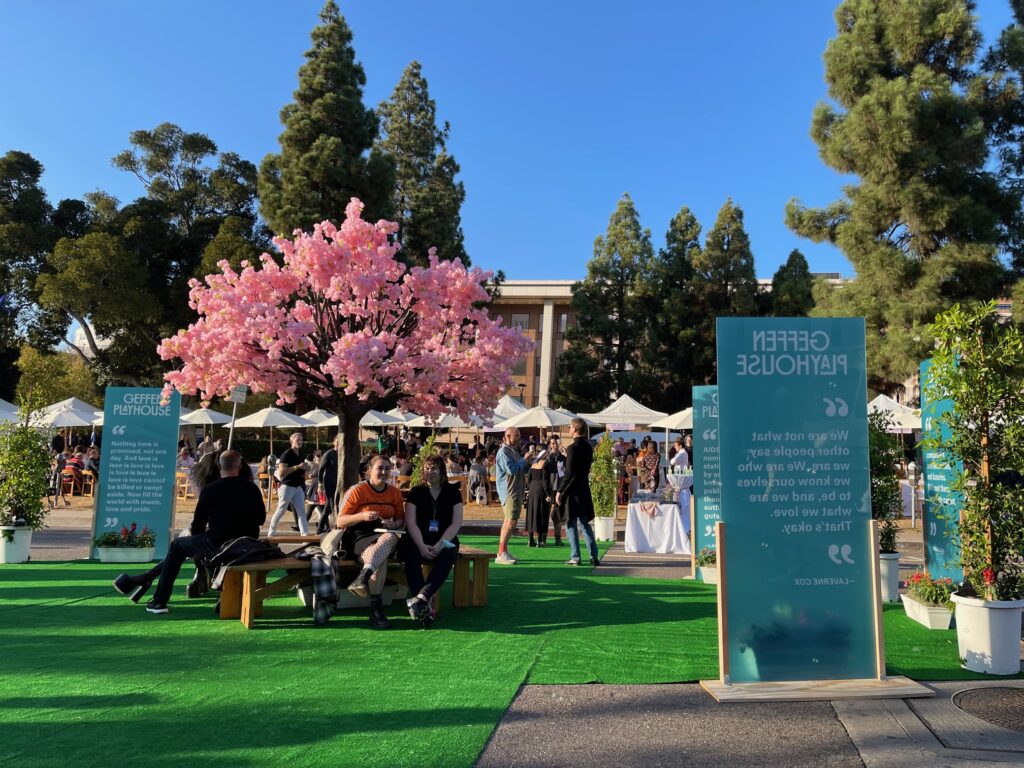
[510,477]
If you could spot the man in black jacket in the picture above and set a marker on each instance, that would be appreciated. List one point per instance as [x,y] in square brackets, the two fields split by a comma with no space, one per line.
[226,509]
[574,492]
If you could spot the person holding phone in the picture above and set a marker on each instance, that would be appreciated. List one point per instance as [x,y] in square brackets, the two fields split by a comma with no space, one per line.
[433,514]
[367,508]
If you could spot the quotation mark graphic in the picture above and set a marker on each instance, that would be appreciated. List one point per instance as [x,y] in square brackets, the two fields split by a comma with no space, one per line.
[933,529]
[709,530]
[119,429]
[111,522]
[837,407]
[710,434]
[834,551]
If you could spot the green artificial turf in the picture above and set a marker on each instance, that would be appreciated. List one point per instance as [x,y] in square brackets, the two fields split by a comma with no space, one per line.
[88,675]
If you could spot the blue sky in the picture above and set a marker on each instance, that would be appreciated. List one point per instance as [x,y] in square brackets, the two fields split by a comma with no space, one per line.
[556,108]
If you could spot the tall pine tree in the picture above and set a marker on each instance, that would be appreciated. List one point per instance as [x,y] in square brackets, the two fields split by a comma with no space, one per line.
[923,223]
[604,347]
[667,359]
[724,284]
[326,153]
[427,198]
[792,288]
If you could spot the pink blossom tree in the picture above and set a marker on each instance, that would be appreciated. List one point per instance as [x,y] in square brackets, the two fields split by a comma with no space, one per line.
[347,327]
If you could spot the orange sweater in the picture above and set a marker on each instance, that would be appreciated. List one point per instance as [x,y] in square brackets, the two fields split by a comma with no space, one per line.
[388,503]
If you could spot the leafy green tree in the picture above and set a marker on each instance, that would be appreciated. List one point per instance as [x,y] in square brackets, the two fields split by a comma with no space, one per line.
[427,198]
[724,285]
[909,117]
[47,377]
[792,288]
[326,153]
[667,358]
[604,347]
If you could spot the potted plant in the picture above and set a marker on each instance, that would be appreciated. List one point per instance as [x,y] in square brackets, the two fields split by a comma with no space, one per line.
[24,470]
[977,366]
[603,489]
[886,504]
[927,600]
[129,545]
[707,565]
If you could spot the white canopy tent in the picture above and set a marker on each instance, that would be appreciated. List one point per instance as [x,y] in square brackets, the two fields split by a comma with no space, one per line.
[508,407]
[626,410]
[8,411]
[539,416]
[904,420]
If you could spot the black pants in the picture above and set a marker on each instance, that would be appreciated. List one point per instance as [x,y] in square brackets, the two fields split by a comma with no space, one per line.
[442,566]
[180,550]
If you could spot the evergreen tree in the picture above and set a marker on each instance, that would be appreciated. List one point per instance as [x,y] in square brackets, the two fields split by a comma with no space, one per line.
[604,346]
[667,359]
[427,198]
[326,156]
[724,285]
[792,288]
[923,223]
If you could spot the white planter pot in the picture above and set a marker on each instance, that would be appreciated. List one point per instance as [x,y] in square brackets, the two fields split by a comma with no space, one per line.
[889,572]
[126,554]
[708,573]
[604,528]
[15,551]
[988,634]
[931,616]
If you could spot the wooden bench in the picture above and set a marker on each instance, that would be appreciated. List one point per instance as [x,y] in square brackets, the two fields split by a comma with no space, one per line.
[245,587]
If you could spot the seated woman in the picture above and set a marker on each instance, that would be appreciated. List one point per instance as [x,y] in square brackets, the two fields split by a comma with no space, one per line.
[372,504]
[184,461]
[433,513]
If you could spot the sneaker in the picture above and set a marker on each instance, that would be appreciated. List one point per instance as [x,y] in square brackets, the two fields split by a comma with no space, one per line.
[418,608]
[505,559]
[154,606]
[572,561]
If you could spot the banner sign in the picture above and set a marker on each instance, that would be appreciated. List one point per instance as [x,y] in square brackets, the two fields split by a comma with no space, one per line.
[941,505]
[796,499]
[137,463]
[707,483]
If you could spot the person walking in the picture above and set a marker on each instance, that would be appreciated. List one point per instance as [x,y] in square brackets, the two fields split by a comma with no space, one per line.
[291,471]
[510,474]
[538,502]
[554,468]
[574,492]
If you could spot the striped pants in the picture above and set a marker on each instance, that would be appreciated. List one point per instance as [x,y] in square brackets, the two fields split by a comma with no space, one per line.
[374,552]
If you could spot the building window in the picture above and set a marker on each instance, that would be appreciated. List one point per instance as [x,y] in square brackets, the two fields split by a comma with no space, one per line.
[521,322]
[519,369]
[563,321]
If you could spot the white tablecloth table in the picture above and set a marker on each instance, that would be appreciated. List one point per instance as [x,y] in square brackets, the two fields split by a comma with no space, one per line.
[666,533]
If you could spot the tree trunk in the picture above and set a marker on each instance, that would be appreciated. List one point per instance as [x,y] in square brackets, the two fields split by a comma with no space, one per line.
[349,454]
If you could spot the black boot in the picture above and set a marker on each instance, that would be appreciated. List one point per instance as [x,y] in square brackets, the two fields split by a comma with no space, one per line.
[377,618]
[200,583]
[358,587]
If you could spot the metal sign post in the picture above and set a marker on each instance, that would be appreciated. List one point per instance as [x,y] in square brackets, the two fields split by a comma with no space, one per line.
[237,396]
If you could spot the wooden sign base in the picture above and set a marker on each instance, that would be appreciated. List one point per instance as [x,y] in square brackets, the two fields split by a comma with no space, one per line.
[817,690]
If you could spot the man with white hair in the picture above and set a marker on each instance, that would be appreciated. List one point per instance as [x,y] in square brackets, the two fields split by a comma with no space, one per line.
[510,478]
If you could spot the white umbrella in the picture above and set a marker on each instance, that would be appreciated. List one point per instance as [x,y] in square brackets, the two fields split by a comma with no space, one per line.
[273,417]
[378,419]
[445,421]
[405,416]
[679,420]
[74,404]
[206,416]
[539,416]
[320,417]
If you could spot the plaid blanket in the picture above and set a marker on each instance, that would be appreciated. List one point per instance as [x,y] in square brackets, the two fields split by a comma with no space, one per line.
[325,586]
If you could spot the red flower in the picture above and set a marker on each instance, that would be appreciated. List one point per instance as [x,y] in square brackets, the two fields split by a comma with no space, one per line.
[989,575]
[133,527]
[124,532]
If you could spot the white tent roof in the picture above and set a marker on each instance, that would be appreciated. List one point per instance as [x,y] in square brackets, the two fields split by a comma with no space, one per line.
[626,410]
[445,421]
[8,411]
[72,404]
[571,415]
[679,420]
[508,407]
[273,417]
[405,416]
[904,420]
[540,416]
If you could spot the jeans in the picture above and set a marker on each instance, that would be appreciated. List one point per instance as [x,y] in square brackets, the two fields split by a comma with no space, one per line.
[574,537]
[290,496]
[180,550]
[442,566]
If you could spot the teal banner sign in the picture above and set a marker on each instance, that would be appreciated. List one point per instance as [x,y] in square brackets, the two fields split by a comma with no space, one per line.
[796,499]
[707,482]
[941,504]
[137,463]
